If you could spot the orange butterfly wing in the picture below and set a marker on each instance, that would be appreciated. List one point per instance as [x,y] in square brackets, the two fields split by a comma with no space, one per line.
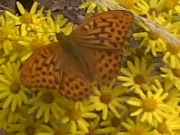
[107,30]
[43,68]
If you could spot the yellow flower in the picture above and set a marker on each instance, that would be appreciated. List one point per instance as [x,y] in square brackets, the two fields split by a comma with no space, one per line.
[7,117]
[97,5]
[3,118]
[151,105]
[26,33]
[175,26]
[105,130]
[28,21]
[172,74]
[113,122]
[109,99]
[172,56]
[62,25]
[136,75]
[8,40]
[136,127]
[152,42]
[77,116]
[129,4]
[46,104]
[177,8]
[173,98]
[170,4]
[97,128]
[53,128]
[27,126]
[12,92]
[149,8]
[170,126]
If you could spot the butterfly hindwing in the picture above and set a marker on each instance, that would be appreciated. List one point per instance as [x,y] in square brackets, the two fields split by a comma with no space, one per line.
[74,87]
[107,66]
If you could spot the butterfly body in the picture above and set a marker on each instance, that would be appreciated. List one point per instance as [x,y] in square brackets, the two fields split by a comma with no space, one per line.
[93,51]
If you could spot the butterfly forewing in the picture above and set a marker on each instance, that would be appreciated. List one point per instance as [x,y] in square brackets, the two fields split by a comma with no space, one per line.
[105,31]
[43,68]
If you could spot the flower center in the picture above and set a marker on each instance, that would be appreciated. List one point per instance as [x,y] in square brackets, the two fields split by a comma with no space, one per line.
[75,114]
[58,133]
[105,97]
[26,18]
[115,122]
[15,87]
[149,104]
[170,4]
[176,72]
[6,31]
[153,36]
[139,79]
[162,128]
[136,132]
[151,11]
[30,130]
[48,97]
[139,53]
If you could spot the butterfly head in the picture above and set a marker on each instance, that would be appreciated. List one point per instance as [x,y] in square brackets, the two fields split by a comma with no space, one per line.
[61,37]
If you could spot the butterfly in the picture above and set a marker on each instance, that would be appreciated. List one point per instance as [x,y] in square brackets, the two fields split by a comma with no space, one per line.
[92,52]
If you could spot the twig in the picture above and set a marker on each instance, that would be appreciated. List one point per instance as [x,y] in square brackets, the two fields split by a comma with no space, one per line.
[6,8]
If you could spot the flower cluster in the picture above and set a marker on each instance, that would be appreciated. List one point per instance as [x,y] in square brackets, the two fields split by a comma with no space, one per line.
[143,100]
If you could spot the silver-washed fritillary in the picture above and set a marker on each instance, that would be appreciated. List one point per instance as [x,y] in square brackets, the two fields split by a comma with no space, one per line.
[93,51]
